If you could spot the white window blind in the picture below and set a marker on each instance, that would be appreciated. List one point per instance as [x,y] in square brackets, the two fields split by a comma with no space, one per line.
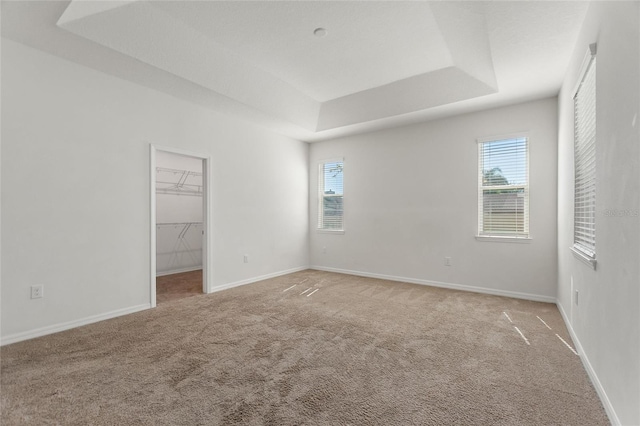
[584,222]
[503,187]
[331,195]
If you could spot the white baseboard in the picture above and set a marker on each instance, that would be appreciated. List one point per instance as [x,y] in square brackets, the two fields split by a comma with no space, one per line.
[256,279]
[474,289]
[179,271]
[608,407]
[31,334]
[50,329]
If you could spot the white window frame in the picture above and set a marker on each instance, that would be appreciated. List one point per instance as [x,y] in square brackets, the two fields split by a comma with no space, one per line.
[524,237]
[582,249]
[321,196]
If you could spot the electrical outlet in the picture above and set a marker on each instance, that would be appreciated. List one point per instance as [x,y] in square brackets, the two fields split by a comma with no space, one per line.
[246,258]
[447,261]
[324,249]
[36,291]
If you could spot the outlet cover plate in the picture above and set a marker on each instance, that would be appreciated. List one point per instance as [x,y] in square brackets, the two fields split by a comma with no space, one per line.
[36,291]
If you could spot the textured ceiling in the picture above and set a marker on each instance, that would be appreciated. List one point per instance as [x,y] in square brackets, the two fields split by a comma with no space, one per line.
[381,64]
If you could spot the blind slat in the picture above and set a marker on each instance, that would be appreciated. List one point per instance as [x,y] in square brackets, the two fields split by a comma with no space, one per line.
[585,162]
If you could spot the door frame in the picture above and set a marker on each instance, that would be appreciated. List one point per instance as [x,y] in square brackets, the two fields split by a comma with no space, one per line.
[207,270]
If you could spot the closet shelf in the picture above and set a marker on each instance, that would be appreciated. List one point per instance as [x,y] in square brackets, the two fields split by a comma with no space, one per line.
[178,182]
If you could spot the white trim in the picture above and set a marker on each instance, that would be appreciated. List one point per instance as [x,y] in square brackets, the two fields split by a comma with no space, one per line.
[31,334]
[509,186]
[586,62]
[207,214]
[608,407]
[178,151]
[504,137]
[497,239]
[583,257]
[332,160]
[473,289]
[256,279]
[527,188]
[152,225]
[207,261]
[320,165]
[179,271]
[50,329]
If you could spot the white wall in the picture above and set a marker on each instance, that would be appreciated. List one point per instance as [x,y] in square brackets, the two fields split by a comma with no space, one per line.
[411,199]
[606,322]
[75,191]
[178,246]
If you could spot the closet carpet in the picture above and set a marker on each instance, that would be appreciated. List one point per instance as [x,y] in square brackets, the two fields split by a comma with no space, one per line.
[309,348]
[178,286]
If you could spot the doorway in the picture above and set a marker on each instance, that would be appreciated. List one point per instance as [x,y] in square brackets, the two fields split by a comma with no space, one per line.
[179,224]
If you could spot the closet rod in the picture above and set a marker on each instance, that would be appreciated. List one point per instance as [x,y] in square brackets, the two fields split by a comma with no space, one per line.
[177,171]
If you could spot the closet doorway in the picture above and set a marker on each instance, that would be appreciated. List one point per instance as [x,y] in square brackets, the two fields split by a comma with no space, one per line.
[179,224]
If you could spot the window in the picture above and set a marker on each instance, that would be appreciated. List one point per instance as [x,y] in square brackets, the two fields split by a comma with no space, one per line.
[503,187]
[584,219]
[331,195]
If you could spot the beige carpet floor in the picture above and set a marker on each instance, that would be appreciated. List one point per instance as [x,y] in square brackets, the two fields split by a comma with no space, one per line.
[312,348]
[178,286]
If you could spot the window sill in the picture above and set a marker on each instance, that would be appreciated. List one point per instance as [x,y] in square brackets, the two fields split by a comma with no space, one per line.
[497,239]
[583,257]
[330,231]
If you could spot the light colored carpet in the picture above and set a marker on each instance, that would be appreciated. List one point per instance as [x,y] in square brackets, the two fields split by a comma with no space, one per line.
[357,351]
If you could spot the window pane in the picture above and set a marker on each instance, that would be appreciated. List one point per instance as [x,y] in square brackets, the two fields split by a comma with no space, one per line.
[504,211]
[503,194]
[332,212]
[330,196]
[333,178]
[505,162]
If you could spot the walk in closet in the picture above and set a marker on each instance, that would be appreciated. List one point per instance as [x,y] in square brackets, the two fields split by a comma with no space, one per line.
[179,226]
